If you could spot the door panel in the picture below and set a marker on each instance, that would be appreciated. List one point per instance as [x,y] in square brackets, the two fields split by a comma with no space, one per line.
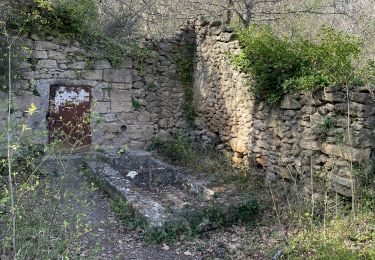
[69,116]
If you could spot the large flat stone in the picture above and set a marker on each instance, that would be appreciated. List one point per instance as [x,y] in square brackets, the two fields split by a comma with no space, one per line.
[289,102]
[346,152]
[42,45]
[150,186]
[238,145]
[117,185]
[118,75]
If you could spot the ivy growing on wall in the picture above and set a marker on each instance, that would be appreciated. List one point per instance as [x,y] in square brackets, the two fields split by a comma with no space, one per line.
[279,65]
[185,68]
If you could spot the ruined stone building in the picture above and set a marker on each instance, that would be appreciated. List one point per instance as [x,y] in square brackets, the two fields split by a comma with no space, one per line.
[141,99]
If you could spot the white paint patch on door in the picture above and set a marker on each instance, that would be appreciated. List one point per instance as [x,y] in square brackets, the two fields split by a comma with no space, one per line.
[64,96]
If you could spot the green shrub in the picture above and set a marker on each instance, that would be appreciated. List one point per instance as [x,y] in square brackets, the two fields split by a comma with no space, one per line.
[325,127]
[70,19]
[246,210]
[279,65]
[179,148]
[67,17]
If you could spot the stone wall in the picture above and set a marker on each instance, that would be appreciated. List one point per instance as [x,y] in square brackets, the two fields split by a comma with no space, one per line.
[307,132]
[153,83]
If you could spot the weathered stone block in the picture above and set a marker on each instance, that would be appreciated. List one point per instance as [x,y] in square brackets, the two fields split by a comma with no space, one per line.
[40,55]
[102,107]
[56,55]
[79,65]
[47,64]
[334,96]
[121,106]
[354,108]
[310,145]
[238,145]
[118,75]
[346,152]
[93,75]
[364,138]
[42,45]
[289,102]
[102,64]
[69,74]
[359,97]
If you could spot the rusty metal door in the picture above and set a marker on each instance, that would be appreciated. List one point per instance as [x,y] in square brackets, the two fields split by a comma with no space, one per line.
[69,116]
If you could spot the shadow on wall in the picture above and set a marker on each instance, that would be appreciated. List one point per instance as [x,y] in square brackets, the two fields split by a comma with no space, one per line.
[220,98]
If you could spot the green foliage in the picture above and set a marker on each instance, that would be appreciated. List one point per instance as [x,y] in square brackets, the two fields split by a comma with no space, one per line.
[198,221]
[327,227]
[366,74]
[185,68]
[43,226]
[246,210]
[127,214]
[136,104]
[203,158]
[170,233]
[65,17]
[177,149]
[340,238]
[123,149]
[325,127]
[151,85]
[70,19]
[279,65]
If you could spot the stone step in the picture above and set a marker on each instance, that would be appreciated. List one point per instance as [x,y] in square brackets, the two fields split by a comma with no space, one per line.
[117,185]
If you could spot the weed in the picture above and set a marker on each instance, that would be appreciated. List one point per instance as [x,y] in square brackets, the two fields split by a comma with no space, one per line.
[185,152]
[246,210]
[95,181]
[127,214]
[136,104]
[325,127]
[170,233]
[123,149]
[197,221]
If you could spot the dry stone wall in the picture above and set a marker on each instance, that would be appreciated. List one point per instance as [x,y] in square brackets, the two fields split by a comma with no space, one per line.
[132,103]
[307,133]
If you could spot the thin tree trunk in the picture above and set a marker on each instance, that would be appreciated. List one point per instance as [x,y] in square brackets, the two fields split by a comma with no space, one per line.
[9,139]
[248,15]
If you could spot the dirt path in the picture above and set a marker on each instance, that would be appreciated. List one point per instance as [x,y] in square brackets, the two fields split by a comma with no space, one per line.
[108,239]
